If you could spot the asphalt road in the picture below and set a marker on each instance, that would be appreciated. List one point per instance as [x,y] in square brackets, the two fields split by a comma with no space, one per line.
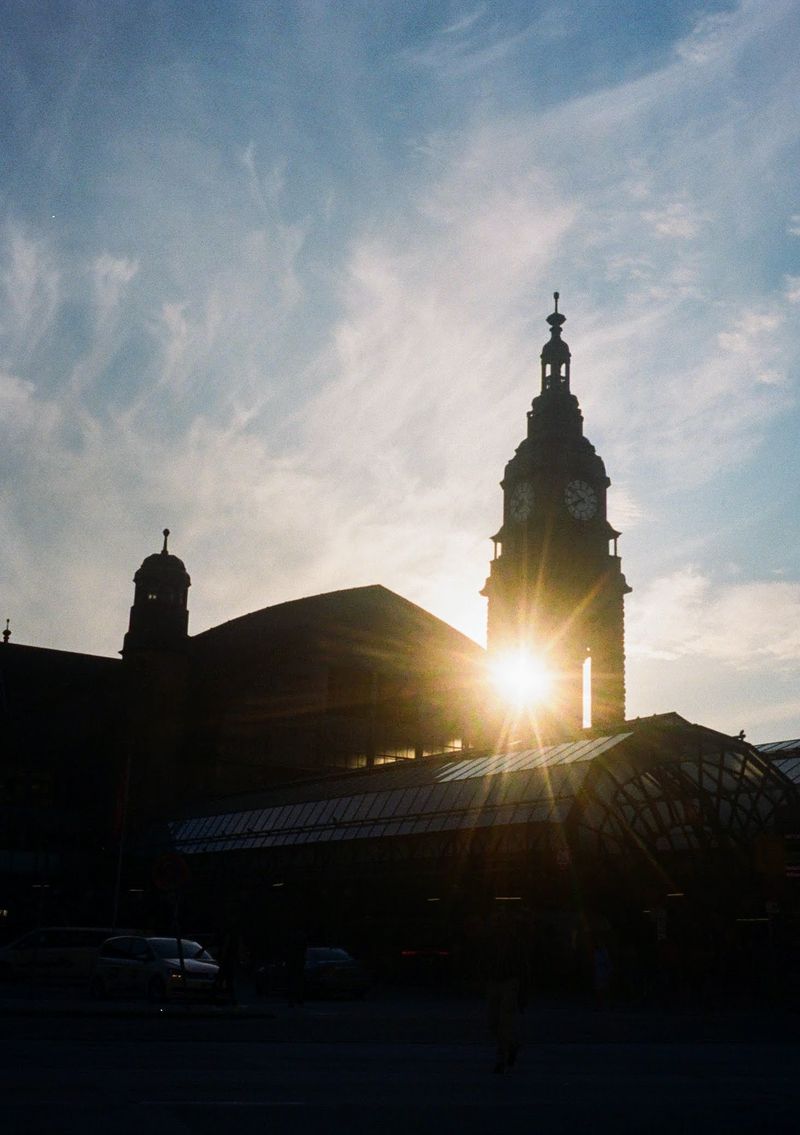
[414,1063]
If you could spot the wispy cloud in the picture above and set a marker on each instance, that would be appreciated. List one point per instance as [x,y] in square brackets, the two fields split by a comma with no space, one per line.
[301,326]
[674,219]
[31,287]
[746,626]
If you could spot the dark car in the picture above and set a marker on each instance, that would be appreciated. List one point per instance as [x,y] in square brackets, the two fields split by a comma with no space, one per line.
[328,971]
[421,964]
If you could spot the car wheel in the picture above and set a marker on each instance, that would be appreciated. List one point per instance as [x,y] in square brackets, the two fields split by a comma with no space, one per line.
[156,989]
[97,988]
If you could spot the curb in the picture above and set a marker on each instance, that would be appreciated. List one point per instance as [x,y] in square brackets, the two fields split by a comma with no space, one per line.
[154,1012]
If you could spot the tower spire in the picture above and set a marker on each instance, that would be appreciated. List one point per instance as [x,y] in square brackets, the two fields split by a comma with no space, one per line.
[166,537]
[555,584]
[555,353]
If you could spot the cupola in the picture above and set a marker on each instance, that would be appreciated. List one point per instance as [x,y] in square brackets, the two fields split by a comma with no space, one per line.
[555,354]
[159,617]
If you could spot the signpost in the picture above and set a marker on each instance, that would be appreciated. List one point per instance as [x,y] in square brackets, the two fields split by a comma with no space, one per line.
[171,873]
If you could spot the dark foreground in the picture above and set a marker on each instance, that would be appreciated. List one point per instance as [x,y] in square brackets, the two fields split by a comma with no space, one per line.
[411,1062]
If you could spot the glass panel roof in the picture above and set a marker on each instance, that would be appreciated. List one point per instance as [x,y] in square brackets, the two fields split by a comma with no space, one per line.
[789,766]
[565,753]
[513,787]
[778,746]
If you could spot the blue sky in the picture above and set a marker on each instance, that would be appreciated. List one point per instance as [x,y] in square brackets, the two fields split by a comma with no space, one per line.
[275,275]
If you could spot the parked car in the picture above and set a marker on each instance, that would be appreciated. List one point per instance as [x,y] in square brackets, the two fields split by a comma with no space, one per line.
[329,971]
[135,966]
[422,964]
[54,953]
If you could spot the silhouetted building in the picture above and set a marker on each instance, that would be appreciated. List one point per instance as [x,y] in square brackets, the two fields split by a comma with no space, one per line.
[156,674]
[60,716]
[335,748]
[667,835]
[96,748]
[556,586]
[352,679]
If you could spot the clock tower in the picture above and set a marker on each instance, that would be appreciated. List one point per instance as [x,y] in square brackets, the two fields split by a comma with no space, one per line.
[556,587]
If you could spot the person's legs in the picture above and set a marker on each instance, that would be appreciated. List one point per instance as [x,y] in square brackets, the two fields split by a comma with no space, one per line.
[503,1003]
[494,1011]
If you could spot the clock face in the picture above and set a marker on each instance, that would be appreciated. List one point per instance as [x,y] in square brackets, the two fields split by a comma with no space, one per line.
[521,503]
[581,500]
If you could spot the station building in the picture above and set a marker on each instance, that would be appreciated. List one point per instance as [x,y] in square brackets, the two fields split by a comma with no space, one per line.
[340,761]
[651,830]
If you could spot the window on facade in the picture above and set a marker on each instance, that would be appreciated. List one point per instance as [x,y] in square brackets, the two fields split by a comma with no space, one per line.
[452,745]
[391,753]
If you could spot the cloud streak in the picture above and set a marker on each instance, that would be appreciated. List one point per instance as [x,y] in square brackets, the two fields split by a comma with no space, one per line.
[299,321]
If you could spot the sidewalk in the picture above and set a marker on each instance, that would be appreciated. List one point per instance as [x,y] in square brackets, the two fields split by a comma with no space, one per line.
[66,1002]
[416,1016]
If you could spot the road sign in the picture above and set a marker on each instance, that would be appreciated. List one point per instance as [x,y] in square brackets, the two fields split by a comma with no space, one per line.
[171,871]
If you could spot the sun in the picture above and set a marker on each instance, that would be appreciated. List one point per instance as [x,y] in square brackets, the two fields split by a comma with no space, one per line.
[521,678]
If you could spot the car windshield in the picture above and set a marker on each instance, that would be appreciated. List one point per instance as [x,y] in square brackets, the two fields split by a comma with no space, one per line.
[168,948]
[327,954]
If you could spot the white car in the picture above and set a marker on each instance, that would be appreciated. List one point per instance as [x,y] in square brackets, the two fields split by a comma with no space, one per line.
[55,953]
[130,966]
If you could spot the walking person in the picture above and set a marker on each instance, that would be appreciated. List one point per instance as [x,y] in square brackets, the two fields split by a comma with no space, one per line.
[295,959]
[507,978]
[602,972]
[225,986]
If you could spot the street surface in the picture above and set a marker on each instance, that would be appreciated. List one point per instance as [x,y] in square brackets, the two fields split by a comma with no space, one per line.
[403,1061]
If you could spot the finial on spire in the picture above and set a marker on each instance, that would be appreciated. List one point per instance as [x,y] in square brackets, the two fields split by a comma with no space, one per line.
[166,536]
[7,632]
[556,319]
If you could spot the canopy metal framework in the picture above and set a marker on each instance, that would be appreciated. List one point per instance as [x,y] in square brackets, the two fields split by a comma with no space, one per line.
[699,793]
[662,786]
[785,756]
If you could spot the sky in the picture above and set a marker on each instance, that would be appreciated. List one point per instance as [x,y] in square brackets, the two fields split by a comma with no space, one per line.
[275,274]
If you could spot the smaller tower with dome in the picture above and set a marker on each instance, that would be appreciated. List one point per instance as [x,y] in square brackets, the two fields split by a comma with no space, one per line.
[155,656]
[159,618]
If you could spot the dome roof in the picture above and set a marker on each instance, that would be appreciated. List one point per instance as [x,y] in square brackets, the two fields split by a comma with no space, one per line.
[555,347]
[163,562]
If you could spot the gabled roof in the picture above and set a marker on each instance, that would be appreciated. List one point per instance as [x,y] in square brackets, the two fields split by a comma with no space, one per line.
[373,607]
